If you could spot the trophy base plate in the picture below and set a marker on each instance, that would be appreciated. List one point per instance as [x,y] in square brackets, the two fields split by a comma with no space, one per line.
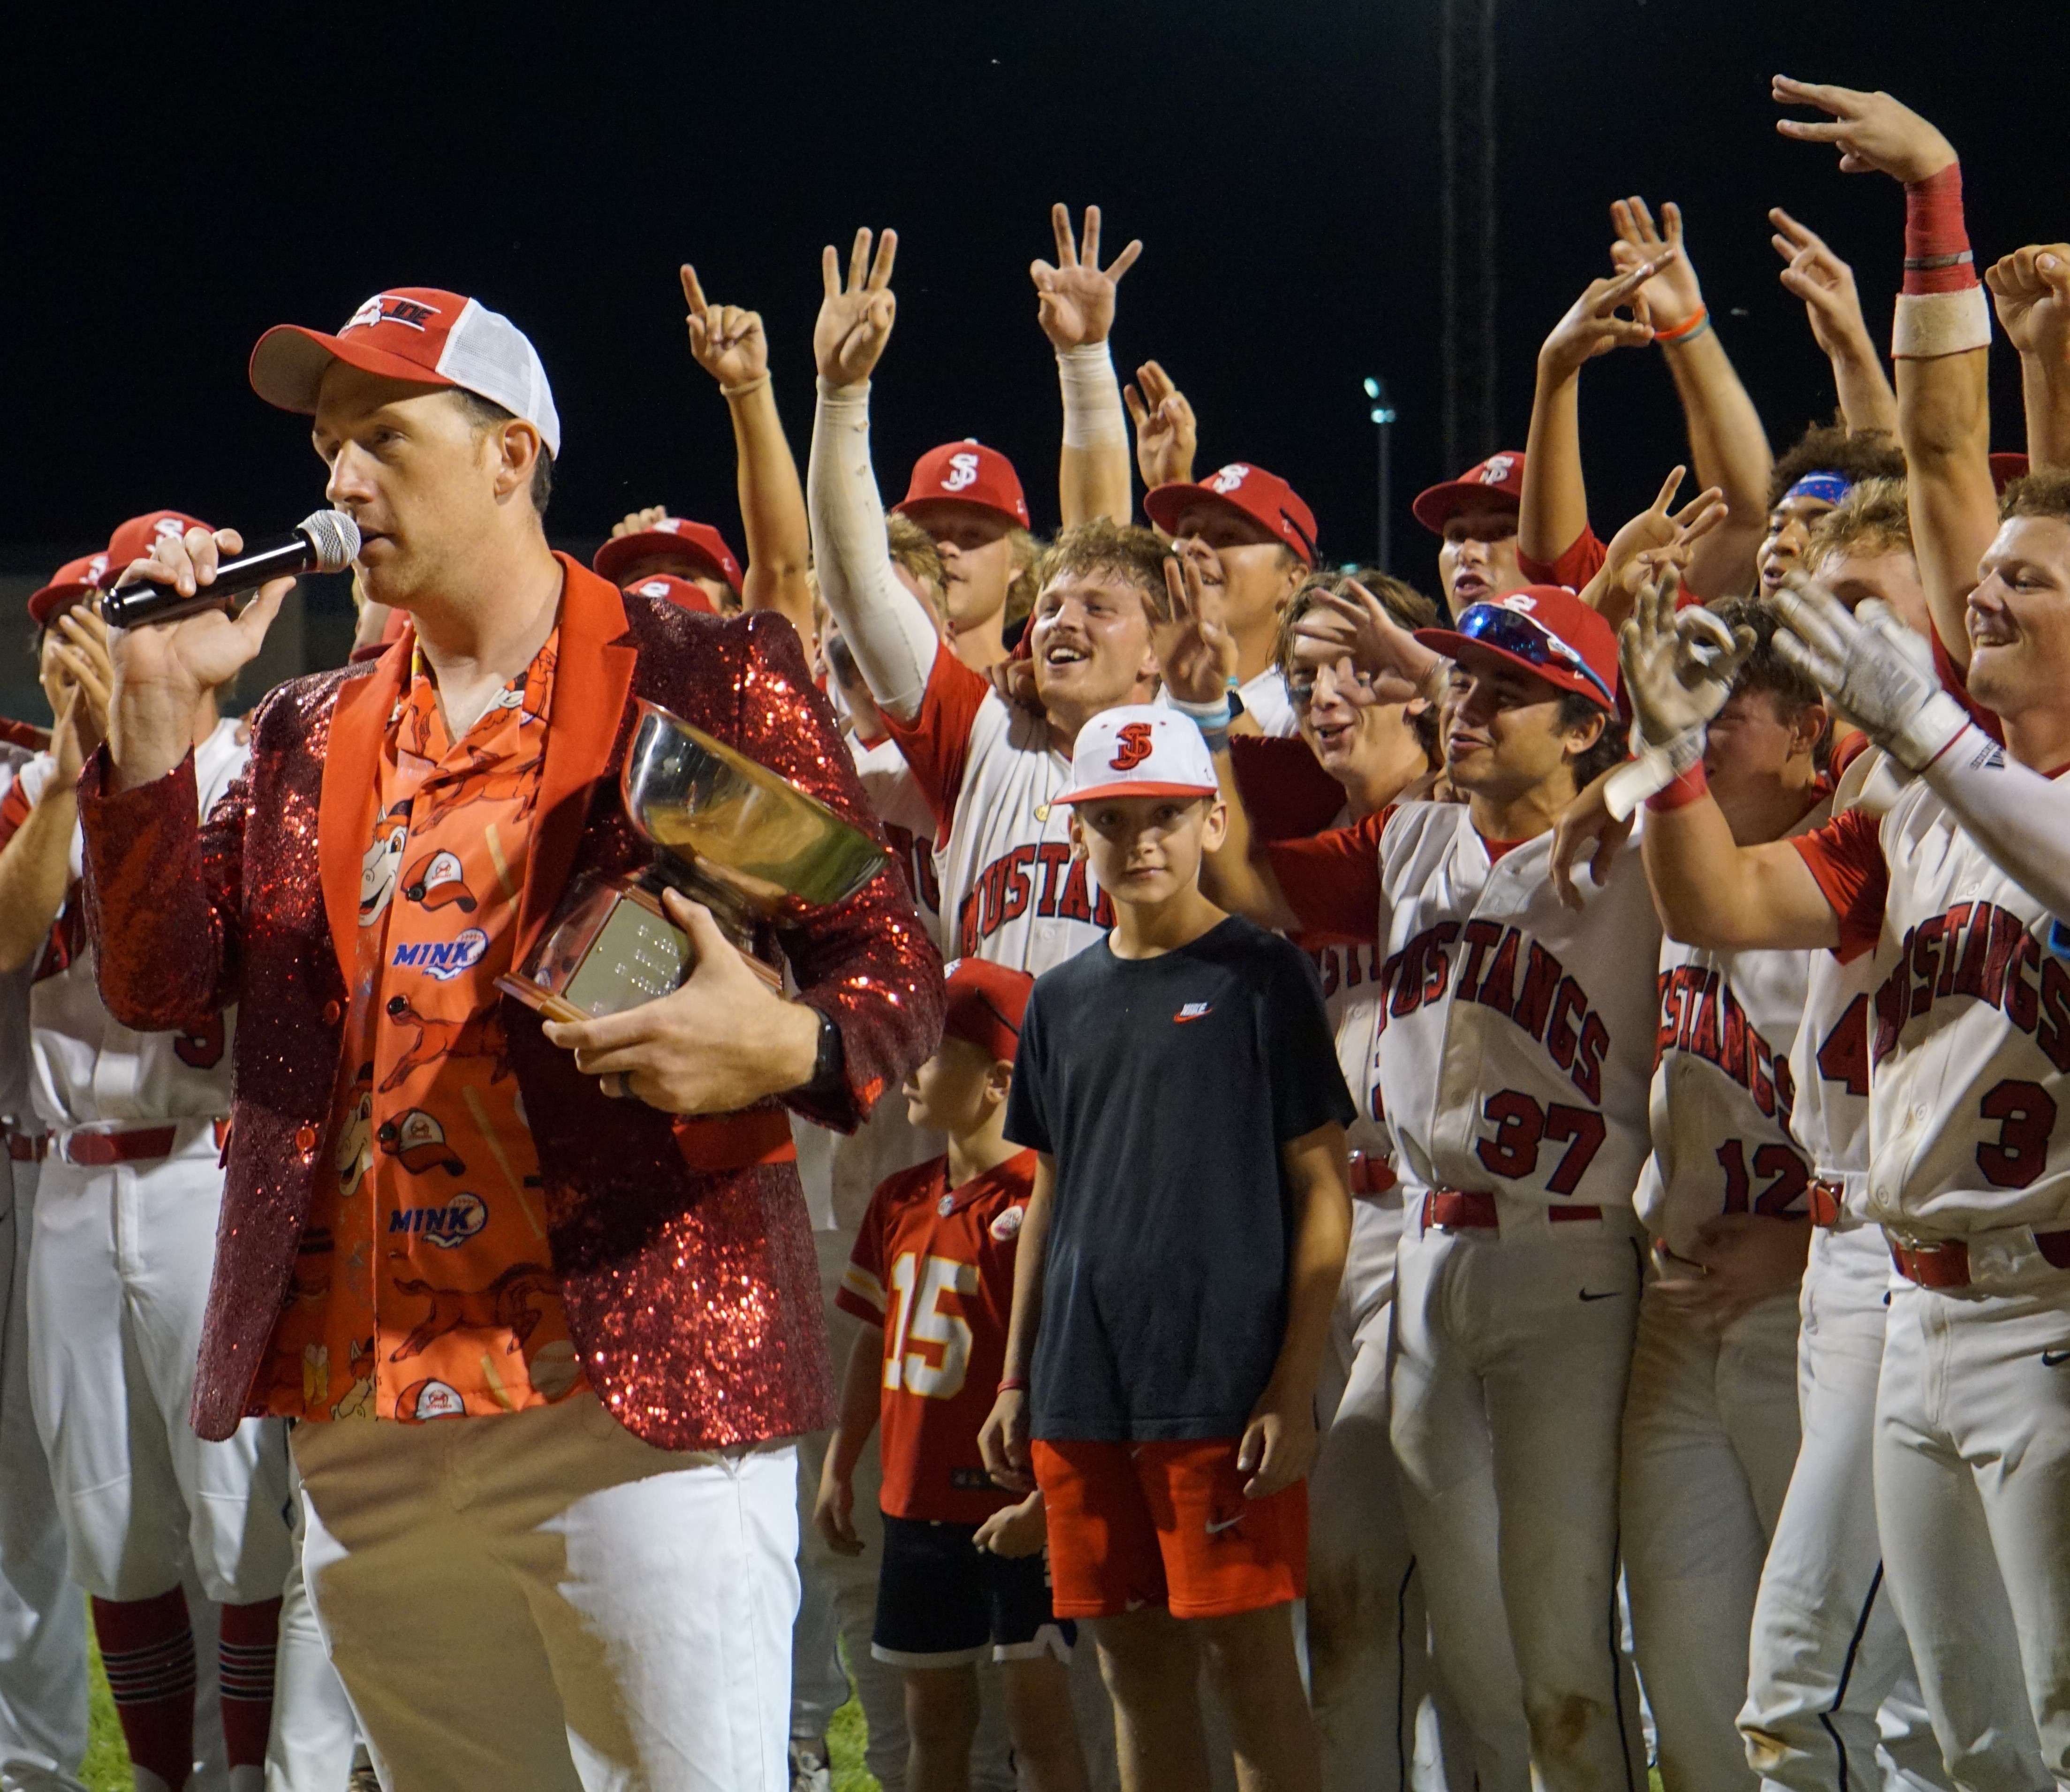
[538,997]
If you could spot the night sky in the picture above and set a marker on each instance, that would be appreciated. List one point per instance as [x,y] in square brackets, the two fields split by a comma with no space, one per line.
[175,194]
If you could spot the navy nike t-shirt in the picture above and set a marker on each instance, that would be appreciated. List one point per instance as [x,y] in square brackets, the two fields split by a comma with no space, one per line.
[1163,1088]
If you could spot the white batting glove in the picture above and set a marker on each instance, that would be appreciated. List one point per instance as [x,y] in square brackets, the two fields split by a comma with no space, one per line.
[1872,667]
[1678,670]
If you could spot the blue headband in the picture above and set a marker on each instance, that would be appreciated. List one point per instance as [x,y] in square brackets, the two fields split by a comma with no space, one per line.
[1827,488]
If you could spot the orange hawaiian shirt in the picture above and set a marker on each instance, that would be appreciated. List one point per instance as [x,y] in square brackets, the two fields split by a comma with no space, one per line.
[424,1287]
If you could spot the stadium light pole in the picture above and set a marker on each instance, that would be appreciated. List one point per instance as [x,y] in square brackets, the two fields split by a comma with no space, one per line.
[1382,413]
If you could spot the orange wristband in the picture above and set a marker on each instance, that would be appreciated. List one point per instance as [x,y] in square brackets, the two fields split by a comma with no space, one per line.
[1688,327]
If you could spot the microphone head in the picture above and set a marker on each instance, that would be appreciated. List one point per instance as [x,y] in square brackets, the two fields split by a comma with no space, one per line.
[334,535]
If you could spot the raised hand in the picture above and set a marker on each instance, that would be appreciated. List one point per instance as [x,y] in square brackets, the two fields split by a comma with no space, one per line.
[1655,538]
[1166,437]
[80,653]
[1196,652]
[1673,296]
[1826,284]
[1678,669]
[2030,289]
[638,523]
[1074,300]
[1388,664]
[726,341]
[1592,325]
[1878,671]
[1874,133]
[855,318]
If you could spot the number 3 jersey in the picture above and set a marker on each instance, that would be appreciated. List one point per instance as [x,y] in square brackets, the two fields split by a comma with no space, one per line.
[1723,1089]
[1515,1037]
[934,1267]
[1968,1031]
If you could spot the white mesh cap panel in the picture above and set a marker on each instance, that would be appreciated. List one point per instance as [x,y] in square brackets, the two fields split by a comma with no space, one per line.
[490,356]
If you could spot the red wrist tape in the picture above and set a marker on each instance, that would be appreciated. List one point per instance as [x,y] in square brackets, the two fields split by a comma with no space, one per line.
[1686,789]
[1937,241]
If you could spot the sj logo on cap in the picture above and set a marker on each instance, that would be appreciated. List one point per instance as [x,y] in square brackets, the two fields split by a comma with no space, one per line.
[962,472]
[1131,747]
[1229,477]
[384,308]
[1497,468]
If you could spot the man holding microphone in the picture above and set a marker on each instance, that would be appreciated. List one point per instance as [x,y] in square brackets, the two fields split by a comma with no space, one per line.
[556,1344]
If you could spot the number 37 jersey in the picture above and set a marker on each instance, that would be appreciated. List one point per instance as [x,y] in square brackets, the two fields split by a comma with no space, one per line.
[934,1267]
[1515,1035]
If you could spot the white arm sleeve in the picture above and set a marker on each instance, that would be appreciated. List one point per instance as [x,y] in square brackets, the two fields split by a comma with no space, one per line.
[889,633]
[1093,416]
[2020,818]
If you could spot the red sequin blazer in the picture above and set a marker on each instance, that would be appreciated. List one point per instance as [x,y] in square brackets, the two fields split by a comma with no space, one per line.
[692,1294]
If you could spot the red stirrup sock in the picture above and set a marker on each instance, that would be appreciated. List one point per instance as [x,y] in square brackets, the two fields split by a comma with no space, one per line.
[147,1646]
[250,1635]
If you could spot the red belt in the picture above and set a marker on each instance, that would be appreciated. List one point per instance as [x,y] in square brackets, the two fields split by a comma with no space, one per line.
[96,1151]
[1946,1264]
[1369,1174]
[1455,1208]
[27,1148]
[1821,1200]
[715,1143]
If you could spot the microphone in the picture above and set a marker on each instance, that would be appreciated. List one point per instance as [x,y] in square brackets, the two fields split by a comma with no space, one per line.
[325,541]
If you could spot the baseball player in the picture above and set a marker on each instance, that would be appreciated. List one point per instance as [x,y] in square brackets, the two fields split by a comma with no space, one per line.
[1010,890]
[1711,1420]
[1474,517]
[125,1237]
[1368,1660]
[42,1621]
[1513,1063]
[1254,540]
[968,499]
[1965,1172]
[1826,1649]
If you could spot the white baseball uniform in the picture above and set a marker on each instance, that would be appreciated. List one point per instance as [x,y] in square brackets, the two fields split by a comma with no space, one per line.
[1369,1654]
[42,1618]
[1969,1043]
[1827,1652]
[1265,700]
[1011,891]
[1711,1422]
[1514,1052]
[119,1278]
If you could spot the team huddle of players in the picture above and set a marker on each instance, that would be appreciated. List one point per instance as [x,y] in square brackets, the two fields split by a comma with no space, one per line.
[1685,1015]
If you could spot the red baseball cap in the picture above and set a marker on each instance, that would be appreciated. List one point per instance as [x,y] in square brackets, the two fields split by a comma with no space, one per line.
[987,1003]
[418,333]
[72,580]
[967,472]
[696,542]
[135,539]
[1499,478]
[1264,498]
[1543,629]
[672,590]
[2005,469]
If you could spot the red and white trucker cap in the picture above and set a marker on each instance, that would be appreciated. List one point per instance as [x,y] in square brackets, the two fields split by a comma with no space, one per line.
[672,590]
[420,334]
[138,538]
[695,541]
[1264,498]
[967,472]
[1496,482]
[71,581]
[1140,750]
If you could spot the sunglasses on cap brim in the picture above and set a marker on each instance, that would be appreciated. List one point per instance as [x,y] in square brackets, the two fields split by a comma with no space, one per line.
[1507,632]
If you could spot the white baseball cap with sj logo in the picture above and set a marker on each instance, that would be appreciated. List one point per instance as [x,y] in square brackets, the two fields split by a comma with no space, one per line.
[1140,750]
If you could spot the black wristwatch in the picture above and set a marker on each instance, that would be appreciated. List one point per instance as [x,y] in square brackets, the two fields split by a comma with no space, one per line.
[827,1062]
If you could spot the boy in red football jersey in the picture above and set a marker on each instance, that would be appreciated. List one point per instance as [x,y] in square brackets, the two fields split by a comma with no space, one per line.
[932,1281]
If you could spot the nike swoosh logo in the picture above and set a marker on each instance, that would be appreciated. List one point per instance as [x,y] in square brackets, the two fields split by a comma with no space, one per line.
[1216,1527]
[1180,1019]
[1608,1294]
[2054,1358]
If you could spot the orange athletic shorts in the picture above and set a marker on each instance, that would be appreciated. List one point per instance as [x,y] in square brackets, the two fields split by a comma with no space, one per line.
[1166,1523]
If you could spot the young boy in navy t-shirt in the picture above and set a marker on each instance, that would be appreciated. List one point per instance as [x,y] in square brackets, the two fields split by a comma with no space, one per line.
[931,1278]
[1180,1255]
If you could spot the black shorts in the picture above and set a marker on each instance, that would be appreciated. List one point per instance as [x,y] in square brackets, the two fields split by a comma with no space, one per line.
[940,1599]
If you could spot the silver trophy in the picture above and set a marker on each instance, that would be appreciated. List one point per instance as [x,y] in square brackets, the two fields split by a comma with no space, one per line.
[753,848]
